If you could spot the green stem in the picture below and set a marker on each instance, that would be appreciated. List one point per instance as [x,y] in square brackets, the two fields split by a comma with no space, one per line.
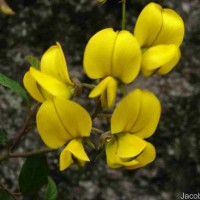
[97,108]
[123,89]
[123,14]
[88,86]
[104,115]
[106,135]
[4,155]
[96,130]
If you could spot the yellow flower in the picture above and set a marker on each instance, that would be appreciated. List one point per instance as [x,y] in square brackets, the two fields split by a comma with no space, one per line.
[5,8]
[134,119]
[160,33]
[60,122]
[113,56]
[52,80]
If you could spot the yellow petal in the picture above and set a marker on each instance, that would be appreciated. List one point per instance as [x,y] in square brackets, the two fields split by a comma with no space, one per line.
[126,112]
[54,64]
[107,89]
[52,85]
[5,8]
[51,129]
[65,159]
[159,26]
[32,87]
[171,64]
[75,118]
[111,92]
[98,54]
[75,146]
[148,117]
[172,31]
[148,24]
[111,154]
[110,53]
[146,157]
[126,58]
[100,88]
[137,113]
[112,157]
[80,163]
[157,56]
[129,145]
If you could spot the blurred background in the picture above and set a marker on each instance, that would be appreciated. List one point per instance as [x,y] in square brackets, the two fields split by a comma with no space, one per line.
[38,25]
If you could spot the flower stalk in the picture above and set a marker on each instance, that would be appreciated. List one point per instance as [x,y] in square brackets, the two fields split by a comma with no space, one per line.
[7,154]
[23,130]
[123,14]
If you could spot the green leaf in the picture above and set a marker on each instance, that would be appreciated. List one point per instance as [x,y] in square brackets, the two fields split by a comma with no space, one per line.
[3,138]
[51,192]
[33,61]
[5,196]
[7,82]
[34,174]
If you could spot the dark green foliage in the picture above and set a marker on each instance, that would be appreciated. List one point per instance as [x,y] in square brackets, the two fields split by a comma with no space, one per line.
[51,192]
[34,62]
[34,174]
[5,196]
[3,138]
[7,82]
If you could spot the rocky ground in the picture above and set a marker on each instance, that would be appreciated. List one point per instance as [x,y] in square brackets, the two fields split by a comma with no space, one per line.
[39,24]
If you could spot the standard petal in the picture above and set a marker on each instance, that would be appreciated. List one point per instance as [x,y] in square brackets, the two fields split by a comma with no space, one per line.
[158,26]
[129,145]
[65,159]
[148,117]
[172,31]
[54,64]
[146,157]
[126,112]
[50,126]
[75,146]
[98,54]
[110,53]
[32,87]
[75,118]
[155,57]
[148,24]
[171,64]
[126,58]
[52,85]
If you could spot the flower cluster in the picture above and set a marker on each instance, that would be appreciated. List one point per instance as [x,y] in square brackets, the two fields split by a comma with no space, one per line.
[60,121]
[115,58]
